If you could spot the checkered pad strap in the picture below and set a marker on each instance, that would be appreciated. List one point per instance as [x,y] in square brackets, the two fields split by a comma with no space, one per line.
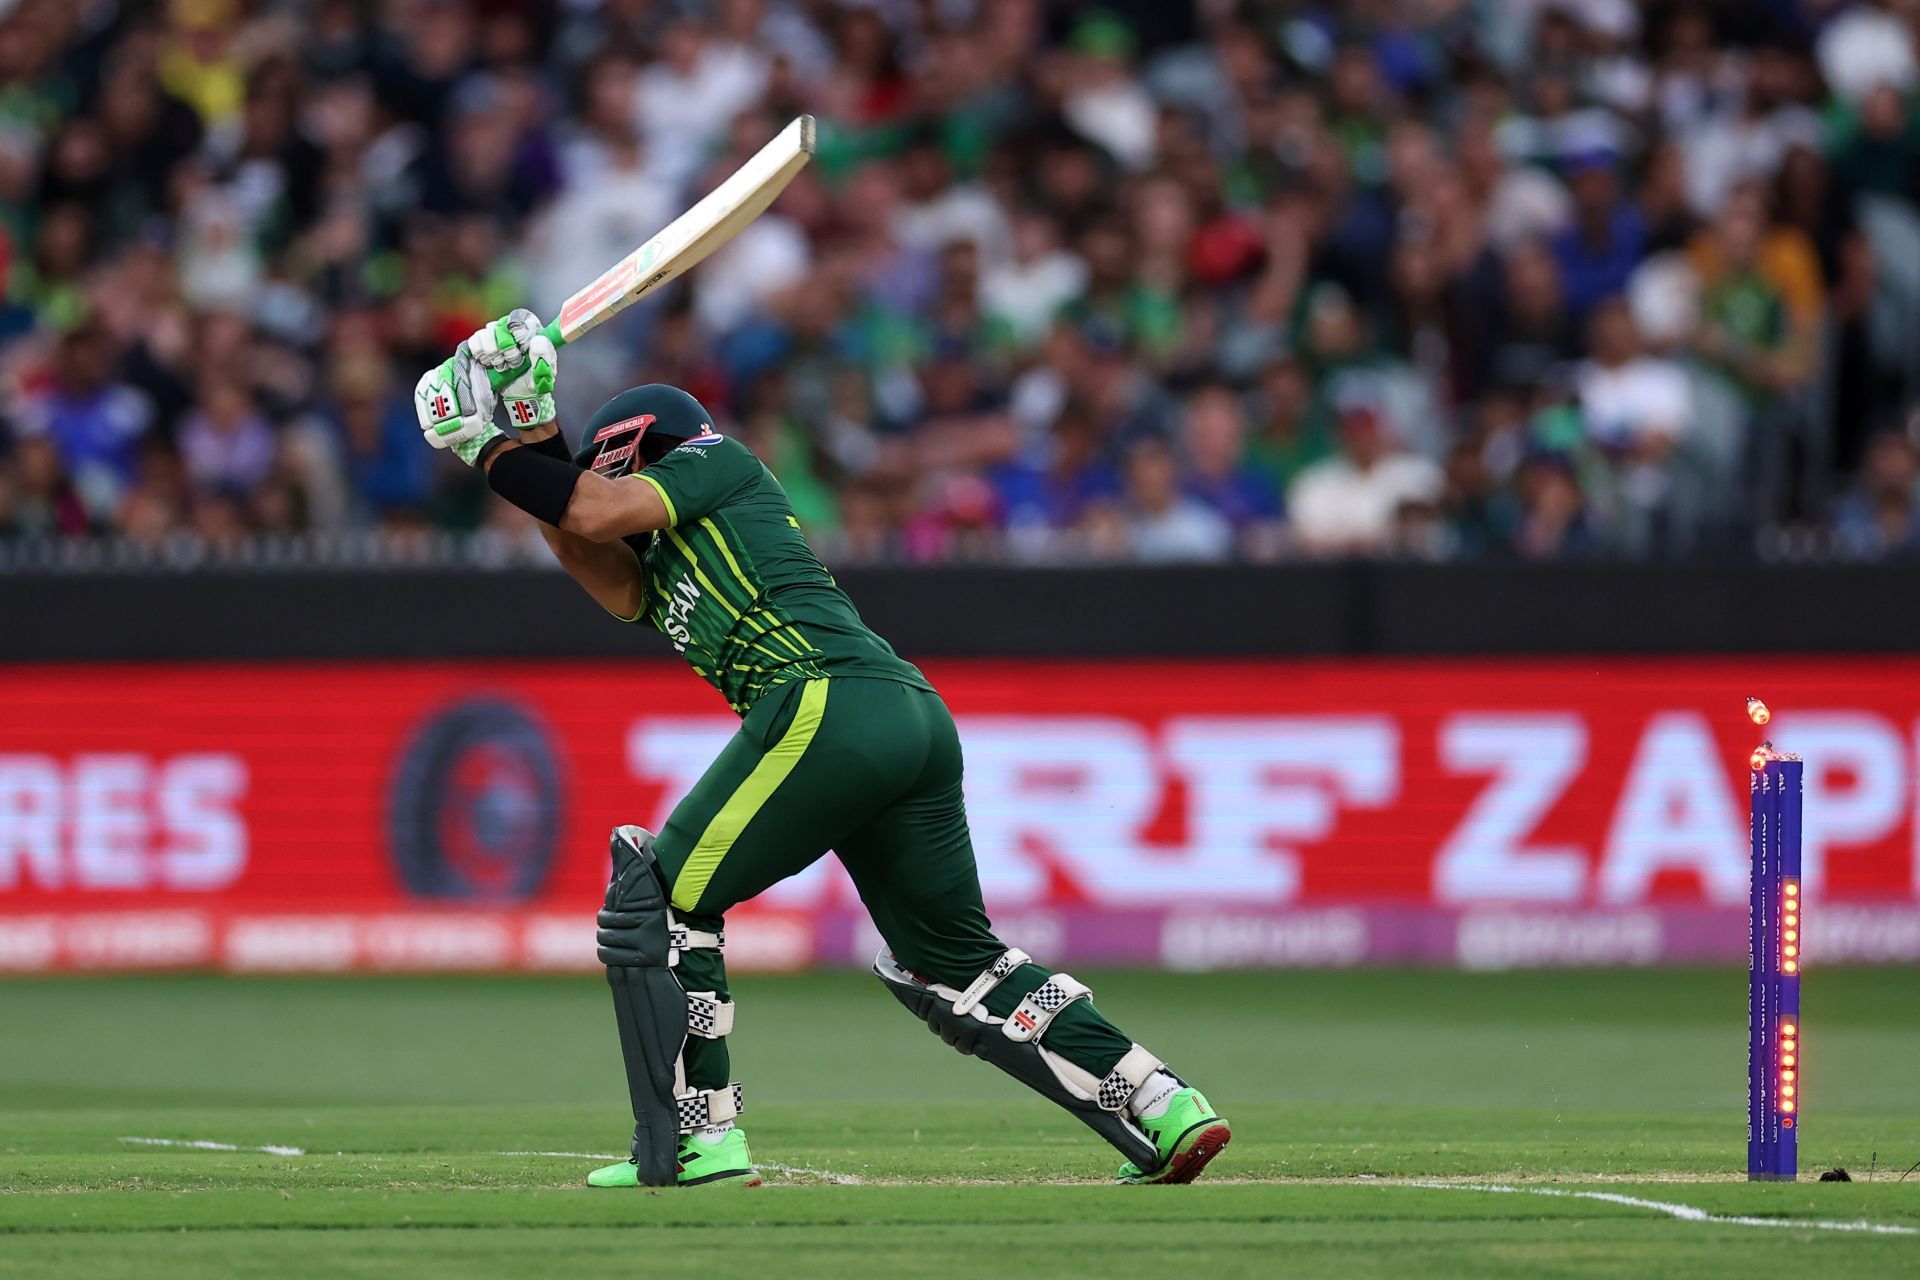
[712,1106]
[680,938]
[708,1016]
[1032,1016]
[1128,1074]
[999,972]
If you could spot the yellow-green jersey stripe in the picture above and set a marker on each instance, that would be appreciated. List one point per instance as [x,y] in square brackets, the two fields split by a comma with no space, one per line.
[700,575]
[784,630]
[735,588]
[673,517]
[745,609]
[726,552]
[750,797]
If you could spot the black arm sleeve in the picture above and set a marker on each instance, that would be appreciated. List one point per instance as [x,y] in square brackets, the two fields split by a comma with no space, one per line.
[534,481]
[554,446]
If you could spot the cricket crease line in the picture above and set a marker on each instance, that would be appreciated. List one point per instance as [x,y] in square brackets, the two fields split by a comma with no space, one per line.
[1684,1212]
[1582,1177]
[803,1171]
[791,1170]
[204,1144]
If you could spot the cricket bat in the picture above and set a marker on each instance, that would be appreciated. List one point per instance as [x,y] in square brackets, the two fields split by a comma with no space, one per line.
[718,217]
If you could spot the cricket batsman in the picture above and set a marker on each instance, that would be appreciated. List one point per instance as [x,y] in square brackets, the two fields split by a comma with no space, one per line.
[843,746]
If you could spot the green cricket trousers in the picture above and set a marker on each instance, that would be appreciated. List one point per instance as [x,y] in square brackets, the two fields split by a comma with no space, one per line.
[870,769]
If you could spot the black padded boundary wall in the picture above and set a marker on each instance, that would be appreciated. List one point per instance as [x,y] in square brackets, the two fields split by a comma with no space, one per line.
[1222,611]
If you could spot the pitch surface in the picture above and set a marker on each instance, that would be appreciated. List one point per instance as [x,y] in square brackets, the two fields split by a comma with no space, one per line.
[1375,1114]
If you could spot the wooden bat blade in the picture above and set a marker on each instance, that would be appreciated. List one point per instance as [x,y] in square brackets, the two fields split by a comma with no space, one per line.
[718,217]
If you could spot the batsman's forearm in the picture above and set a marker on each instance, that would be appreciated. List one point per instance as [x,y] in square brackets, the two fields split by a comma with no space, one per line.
[604,510]
[547,439]
[609,571]
[532,478]
[578,502]
[569,548]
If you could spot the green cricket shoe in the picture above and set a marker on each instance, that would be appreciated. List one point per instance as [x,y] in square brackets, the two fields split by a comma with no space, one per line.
[1188,1134]
[701,1162]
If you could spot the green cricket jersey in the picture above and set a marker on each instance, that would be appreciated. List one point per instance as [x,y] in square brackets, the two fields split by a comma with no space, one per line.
[734,585]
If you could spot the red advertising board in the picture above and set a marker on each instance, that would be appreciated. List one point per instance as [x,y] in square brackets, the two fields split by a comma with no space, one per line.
[454,815]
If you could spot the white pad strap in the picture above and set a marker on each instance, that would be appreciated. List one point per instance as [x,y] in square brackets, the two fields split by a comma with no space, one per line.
[701,1108]
[708,1016]
[998,973]
[1033,1015]
[680,938]
[1135,1068]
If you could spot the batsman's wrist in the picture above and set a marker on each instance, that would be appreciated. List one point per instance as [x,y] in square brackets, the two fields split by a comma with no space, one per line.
[553,444]
[469,451]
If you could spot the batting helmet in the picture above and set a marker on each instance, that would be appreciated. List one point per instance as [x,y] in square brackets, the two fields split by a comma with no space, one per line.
[640,426]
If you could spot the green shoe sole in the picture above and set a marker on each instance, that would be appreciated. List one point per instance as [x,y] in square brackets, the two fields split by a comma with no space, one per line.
[724,1162]
[1191,1154]
[620,1176]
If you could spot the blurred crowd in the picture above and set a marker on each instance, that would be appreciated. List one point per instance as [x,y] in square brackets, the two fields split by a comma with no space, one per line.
[1454,279]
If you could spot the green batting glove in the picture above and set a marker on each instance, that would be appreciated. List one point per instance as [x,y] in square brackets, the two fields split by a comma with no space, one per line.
[528,396]
[454,404]
[506,348]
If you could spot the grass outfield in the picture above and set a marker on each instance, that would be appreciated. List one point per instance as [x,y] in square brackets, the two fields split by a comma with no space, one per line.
[419,1107]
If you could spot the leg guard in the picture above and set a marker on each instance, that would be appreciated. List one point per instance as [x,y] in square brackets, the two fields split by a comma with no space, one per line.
[1013,1045]
[640,944]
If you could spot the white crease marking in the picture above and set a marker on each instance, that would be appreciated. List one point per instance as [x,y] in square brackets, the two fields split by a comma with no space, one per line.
[203,1144]
[791,1170]
[800,1170]
[1684,1212]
